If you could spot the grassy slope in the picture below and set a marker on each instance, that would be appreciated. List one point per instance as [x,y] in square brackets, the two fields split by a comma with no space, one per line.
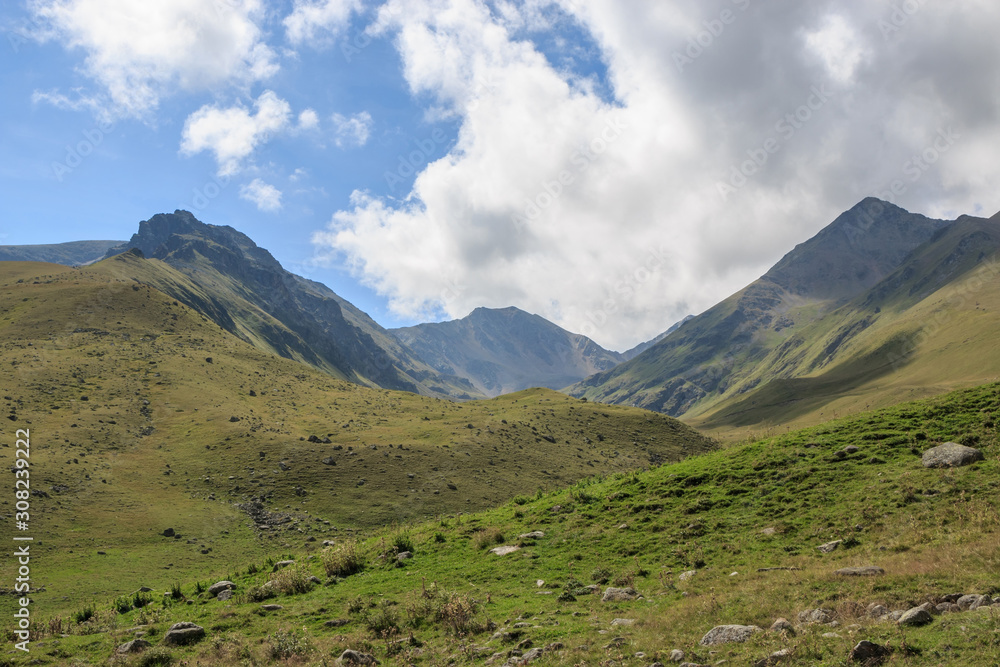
[759,504]
[134,433]
[928,328]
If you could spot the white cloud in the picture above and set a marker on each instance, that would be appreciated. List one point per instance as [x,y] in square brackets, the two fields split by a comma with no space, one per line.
[352,131]
[233,133]
[839,46]
[314,22]
[264,195]
[308,120]
[139,51]
[605,215]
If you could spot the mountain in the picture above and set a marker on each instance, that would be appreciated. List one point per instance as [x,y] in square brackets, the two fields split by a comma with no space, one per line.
[507,349]
[713,352]
[642,347]
[147,415]
[74,253]
[224,275]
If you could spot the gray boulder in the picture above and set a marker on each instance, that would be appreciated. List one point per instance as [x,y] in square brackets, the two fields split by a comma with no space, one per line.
[829,546]
[220,586]
[618,595]
[728,634]
[815,616]
[868,654]
[951,455]
[970,602]
[134,646]
[350,657]
[183,633]
[866,571]
[915,617]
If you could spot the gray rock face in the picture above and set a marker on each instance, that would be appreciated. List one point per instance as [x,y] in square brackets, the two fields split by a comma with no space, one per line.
[220,586]
[350,657]
[224,595]
[868,654]
[618,595]
[916,617]
[183,633]
[134,646]
[866,571]
[728,634]
[951,455]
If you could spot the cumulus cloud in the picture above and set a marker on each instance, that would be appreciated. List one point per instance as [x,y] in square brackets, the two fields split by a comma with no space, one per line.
[231,134]
[308,120]
[729,131]
[138,51]
[315,22]
[352,131]
[264,195]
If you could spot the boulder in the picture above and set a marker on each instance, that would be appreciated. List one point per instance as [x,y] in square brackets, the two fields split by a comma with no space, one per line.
[220,586]
[775,658]
[728,634]
[224,595]
[504,550]
[618,595]
[877,610]
[533,535]
[868,654]
[623,621]
[134,646]
[271,607]
[969,602]
[684,576]
[915,617]
[282,564]
[951,455]
[783,625]
[350,657]
[183,633]
[677,655]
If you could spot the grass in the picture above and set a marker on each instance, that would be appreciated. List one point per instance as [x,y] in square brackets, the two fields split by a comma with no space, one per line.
[730,516]
[135,432]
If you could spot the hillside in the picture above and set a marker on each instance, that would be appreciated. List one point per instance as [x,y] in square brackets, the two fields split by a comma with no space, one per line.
[224,275]
[73,253]
[146,415]
[729,537]
[713,352]
[505,350]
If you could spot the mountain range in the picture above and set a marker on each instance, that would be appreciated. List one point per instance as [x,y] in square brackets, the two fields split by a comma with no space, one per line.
[842,322]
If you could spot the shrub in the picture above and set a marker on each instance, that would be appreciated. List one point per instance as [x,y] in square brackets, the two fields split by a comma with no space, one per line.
[401,542]
[383,620]
[487,538]
[600,575]
[158,655]
[292,580]
[459,614]
[175,591]
[439,537]
[342,560]
[84,615]
[284,644]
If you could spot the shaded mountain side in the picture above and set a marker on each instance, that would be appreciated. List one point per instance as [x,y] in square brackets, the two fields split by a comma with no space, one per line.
[507,349]
[929,326]
[73,253]
[246,291]
[711,352]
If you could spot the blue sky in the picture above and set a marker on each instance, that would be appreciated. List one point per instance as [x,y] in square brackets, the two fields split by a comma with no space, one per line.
[612,166]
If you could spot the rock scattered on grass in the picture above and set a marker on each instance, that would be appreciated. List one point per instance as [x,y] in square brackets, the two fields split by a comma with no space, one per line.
[829,547]
[504,550]
[728,634]
[183,633]
[220,586]
[866,571]
[134,646]
[350,657]
[868,654]
[951,455]
[915,617]
[618,595]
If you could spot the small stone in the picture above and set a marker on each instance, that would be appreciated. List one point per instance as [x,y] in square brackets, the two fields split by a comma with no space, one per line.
[504,550]
[866,571]
[677,655]
[728,634]
[831,635]
[134,646]
[684,576]
[282,564]
[815,616]
[775,658]
[829,547]
[877,610]
[533,535]
[623,621]
[783,625]
[404,555]
[271,607]
[915,617]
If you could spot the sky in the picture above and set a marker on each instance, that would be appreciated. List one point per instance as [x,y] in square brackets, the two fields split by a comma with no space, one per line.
[611,165]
